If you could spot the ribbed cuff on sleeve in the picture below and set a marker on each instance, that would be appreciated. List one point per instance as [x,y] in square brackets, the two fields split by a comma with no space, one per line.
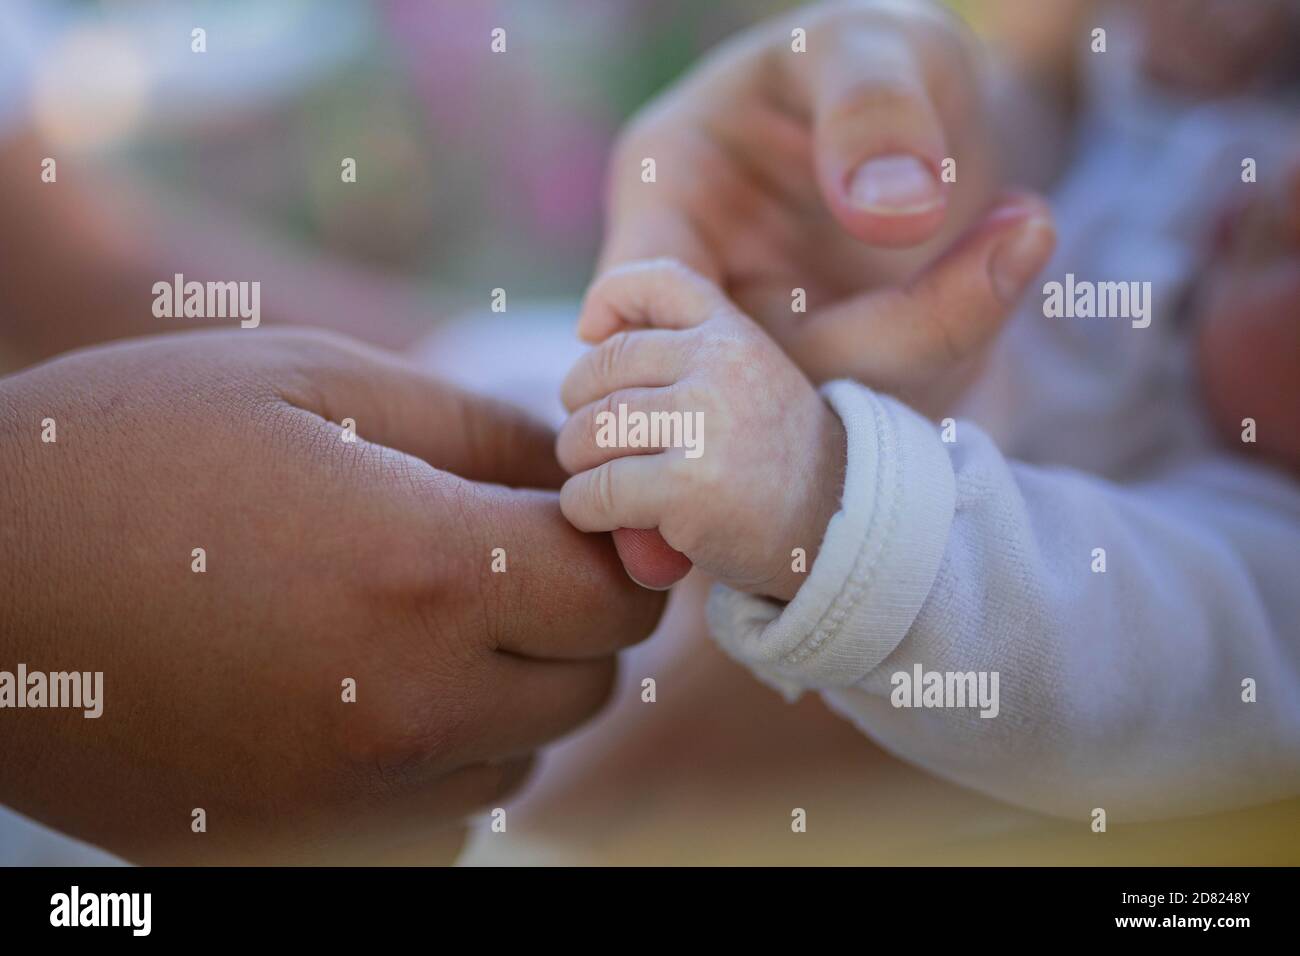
[876,565]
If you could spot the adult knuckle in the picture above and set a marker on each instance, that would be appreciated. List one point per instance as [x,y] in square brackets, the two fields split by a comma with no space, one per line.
[397,728]
[309,345]
[492,782]
[599,688]
[402,567]
[641,613]
[382,745]
[863,101]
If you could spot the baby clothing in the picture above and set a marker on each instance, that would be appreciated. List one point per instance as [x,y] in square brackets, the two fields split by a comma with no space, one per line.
[1132,585]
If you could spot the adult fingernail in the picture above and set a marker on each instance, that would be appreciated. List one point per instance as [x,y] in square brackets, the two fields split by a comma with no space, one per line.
[647,586]
[1020,258]
[895,186]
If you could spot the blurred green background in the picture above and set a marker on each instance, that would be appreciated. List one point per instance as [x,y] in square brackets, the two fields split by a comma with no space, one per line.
[471,166]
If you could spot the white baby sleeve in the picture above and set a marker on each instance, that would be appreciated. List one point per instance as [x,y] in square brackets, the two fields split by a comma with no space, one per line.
[1124,688]
[876,564]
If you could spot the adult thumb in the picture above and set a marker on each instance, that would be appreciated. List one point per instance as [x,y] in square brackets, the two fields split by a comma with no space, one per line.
[648,559]
[395,404]
[900,337]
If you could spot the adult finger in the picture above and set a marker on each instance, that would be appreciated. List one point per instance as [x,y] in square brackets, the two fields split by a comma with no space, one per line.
[528,703]
[648,559]
[555,593]
[396,405]
[878,137]
[906,334]
[425,793]
[644,223]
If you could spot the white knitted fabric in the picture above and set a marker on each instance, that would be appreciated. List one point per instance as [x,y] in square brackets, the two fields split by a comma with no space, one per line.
[1122,689]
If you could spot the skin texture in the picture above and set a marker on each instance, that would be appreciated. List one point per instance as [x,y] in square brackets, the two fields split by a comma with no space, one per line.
[325,560]
[770,468]
[758,152]
[721,739]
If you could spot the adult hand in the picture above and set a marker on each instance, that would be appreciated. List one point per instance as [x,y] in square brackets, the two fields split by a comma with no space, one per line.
[326,560]
[820,171]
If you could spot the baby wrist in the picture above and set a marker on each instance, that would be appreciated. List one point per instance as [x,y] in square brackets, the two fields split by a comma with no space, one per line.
[877,563]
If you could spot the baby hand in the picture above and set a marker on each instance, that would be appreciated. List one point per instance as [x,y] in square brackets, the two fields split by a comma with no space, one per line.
[688,418]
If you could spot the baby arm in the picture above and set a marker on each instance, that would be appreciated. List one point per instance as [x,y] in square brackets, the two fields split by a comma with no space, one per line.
[1143,637]
[1124,623]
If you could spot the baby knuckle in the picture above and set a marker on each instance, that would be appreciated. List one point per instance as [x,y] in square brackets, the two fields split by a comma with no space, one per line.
[675,269]
[603,289]
[603,492]
[713,350]
[613,355]
[697,478]
[695,346]
[681,529]
[686,393]
[607,406]
[666,272]
[571,444]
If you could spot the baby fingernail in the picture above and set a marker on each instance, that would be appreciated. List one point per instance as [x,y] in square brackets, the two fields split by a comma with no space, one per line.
[895,186]
[1020,258]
